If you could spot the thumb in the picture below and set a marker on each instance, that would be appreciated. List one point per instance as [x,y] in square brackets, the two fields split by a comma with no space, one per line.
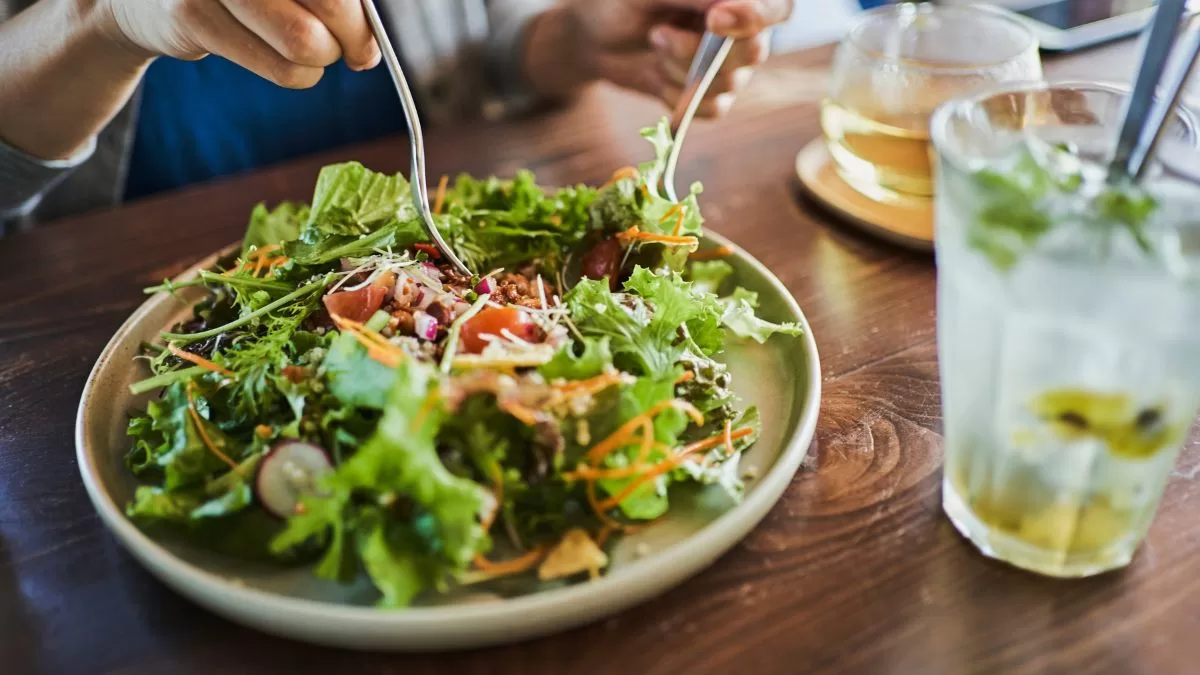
[746,18]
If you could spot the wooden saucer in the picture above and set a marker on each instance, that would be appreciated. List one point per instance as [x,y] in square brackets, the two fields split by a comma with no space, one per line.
[908,226]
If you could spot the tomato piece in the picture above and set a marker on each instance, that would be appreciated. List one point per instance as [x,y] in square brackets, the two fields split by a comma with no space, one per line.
[603,261]
[357,305]
[492,321]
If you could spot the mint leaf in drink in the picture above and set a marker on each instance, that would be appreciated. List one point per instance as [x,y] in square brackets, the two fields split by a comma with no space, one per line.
[1130,207]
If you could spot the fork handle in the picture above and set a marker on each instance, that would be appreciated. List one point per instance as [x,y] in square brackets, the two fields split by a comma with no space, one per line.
[705,65]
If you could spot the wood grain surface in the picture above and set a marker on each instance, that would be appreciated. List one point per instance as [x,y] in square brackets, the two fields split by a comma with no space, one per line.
[856,570]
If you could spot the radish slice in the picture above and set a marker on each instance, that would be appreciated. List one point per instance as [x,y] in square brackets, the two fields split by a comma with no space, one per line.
[425,326]
[486,286]
[290,471]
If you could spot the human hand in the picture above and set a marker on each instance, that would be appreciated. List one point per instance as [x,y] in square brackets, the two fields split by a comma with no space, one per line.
[289,42]
[647,45]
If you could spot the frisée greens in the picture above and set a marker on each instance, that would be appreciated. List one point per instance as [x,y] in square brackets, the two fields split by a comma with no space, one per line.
[342,398]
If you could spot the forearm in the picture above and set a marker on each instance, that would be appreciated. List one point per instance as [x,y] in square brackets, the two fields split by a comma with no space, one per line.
[553,62]
[63,77]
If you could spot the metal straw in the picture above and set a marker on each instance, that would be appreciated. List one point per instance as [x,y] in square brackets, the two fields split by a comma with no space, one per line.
[1159,40]
[1168,97]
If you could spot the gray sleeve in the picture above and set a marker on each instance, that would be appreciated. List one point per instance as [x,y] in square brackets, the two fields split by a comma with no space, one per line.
[25,179]
[508,21]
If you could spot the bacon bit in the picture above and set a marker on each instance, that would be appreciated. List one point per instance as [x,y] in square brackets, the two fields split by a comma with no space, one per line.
[263,431]
[622,173]
[440,199]
[198,360]
[635,234]
[712,253]
[429,249]
[509,567]
[295,374]
[687,376]
[198,421]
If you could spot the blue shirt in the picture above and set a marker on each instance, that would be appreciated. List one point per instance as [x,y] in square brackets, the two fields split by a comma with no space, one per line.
[204,119]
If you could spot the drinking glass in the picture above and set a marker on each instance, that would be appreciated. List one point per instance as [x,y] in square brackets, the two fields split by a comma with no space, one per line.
[895,66]
[1068,324]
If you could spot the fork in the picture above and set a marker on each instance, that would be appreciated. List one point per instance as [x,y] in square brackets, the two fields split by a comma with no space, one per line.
[420,187]
[709,58]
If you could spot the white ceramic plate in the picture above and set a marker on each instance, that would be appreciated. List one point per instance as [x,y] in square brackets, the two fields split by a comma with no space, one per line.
[781,377]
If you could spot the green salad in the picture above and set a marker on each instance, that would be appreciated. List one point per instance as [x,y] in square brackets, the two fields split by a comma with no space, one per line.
[343,398]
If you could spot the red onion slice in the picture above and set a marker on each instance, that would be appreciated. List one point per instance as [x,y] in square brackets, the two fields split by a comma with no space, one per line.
[486,286]
[425,326]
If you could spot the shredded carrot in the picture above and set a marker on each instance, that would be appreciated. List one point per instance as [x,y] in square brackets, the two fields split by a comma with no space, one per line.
[426,407]
[263,431]
[429,249]
[618,437]
[603,534]
[675,208]
[712,253]
[604,518]
[647,440]
[687,376]
[672,462]
[198,421]
[678,224]
[679,211]
[635,234]
[622,173]
[621,435]
[508,567]
[440,200]
[198,360]
[377,346]
[258,258]
[522,413]
[729,438]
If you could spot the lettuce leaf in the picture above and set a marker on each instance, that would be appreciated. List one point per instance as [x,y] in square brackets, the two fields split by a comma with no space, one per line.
[596,356]
[738,316]
[273,227]
[401,458]
[350,199]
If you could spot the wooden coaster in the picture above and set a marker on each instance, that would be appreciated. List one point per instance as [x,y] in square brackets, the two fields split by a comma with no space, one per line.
[908,226]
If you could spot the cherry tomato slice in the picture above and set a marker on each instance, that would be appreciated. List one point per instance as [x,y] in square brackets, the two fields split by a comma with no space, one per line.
[491,321]
[357,305]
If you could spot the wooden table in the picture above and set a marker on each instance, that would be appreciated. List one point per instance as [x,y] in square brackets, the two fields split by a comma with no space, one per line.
[854,571]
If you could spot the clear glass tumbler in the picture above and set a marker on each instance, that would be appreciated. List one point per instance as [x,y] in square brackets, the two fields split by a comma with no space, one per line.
[896,65]
[1068,324]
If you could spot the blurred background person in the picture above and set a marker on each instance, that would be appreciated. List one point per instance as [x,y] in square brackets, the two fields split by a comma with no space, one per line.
[90,115]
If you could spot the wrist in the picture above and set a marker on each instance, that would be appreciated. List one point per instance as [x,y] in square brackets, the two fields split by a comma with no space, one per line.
[554,60]
[99,23]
